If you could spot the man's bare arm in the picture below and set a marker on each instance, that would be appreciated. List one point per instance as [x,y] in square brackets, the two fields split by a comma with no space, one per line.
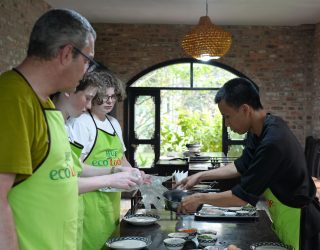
[8,236]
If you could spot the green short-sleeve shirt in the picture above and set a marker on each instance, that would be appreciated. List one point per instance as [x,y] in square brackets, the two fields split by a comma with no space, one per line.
[24,136]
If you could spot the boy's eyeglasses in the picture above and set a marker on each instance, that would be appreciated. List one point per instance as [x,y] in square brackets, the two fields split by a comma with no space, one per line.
[106,98]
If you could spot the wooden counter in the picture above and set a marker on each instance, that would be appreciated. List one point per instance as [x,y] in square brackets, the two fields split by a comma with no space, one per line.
[241,233]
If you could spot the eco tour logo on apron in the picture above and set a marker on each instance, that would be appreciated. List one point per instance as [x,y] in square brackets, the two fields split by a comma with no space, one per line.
[64,172]
[269,203]
[111,159]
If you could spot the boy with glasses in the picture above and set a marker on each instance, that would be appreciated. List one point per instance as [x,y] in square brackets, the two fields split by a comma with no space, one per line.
[101,136]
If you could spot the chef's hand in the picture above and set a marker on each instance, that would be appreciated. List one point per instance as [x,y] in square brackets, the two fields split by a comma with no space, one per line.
[188,182]
[123,180]
[190,204]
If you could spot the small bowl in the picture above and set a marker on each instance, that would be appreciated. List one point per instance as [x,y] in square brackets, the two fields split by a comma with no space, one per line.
[207,231]
[214,248]
[207,239]
[179,235]
[174,243]
[192,232]
[193,147]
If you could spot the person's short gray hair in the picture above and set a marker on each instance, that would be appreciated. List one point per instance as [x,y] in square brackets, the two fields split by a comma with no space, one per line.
[56,29]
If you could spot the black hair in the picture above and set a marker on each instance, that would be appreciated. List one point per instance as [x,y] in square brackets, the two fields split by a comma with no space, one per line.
[239,91]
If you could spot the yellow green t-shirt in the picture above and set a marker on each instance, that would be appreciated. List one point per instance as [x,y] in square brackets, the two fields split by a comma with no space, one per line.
[24,136]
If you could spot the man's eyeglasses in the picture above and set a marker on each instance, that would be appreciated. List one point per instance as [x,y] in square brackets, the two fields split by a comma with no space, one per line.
[92,63]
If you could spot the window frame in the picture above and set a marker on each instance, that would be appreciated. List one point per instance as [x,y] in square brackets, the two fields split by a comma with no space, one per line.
[226,141]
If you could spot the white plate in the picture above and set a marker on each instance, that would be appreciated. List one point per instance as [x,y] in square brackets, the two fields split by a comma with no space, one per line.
[131,243]
[270,246]
[141,219]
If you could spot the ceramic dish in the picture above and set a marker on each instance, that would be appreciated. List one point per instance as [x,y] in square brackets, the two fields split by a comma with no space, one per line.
[141,219]
[131,243]
[217,248]
[179,235]
[193,147]
[192,232]
[270,246]
[174,243]
[213,248]
[207,231]
[207,239]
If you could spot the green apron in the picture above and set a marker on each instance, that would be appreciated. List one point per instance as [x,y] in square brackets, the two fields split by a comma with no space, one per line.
[45,206]
[286,220]
[102,210]
[76,152]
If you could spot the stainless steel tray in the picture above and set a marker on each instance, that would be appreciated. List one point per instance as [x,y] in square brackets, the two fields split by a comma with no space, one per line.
[224,213]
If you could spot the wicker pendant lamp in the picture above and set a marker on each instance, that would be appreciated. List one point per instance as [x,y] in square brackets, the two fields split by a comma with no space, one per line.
[206,41]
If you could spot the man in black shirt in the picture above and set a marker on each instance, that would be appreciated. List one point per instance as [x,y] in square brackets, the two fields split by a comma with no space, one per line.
[272,165]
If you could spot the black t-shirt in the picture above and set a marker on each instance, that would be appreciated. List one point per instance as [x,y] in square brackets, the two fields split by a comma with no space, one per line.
[274,160]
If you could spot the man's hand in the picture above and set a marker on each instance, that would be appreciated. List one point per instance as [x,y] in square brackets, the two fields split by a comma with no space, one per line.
[188,182]
[190,204]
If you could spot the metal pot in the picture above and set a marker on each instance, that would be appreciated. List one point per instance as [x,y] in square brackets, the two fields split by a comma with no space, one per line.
[173,198]
[193,147]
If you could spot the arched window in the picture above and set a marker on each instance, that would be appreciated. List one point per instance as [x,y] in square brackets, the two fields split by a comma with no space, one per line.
[172,104]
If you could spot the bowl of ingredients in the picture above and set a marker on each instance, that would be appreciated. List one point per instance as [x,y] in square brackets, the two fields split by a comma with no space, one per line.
[207,239]
[192,232]
[181,235]
[174,243]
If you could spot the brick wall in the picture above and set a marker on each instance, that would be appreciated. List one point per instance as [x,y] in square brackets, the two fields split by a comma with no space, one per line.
[278,59]
[316,85]
[16,21]
[283,61]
